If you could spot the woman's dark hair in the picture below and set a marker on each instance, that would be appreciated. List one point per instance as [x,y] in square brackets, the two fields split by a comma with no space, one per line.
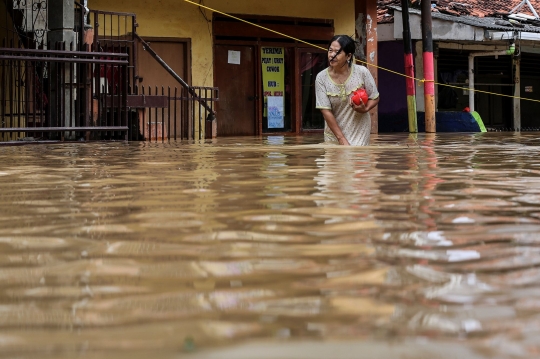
[347,43]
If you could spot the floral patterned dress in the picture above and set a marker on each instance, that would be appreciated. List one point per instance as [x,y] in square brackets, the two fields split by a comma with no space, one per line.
[356,127]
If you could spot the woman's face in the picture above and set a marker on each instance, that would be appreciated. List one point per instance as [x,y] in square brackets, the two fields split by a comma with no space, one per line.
[339,60]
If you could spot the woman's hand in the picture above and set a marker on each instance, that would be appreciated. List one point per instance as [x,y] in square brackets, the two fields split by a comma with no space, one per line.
[362,107]
[343,141]
[332,123]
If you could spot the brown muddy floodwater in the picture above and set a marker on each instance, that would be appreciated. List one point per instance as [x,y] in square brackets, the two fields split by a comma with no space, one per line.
[272,247]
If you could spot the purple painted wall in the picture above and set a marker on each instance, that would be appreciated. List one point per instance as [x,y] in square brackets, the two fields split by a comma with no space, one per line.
[392,88]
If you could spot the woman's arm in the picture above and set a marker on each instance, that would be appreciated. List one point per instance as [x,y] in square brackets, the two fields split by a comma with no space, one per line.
[332,123]
[365,108]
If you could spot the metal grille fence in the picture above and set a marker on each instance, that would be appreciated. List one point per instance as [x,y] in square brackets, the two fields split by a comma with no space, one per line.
[58,95]
[87,90]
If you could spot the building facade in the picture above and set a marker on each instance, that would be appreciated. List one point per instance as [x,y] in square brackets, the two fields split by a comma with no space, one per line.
[211,49]
[489,46]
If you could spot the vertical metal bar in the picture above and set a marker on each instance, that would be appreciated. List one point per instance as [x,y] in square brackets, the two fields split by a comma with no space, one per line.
[70,98]
[200,109]
[125,114]
[3,99]
[24,93]
[186,120]
[19,94]
[9,90]
[125,48]
[112,84]
[208,129]
[149,117]
[193,118]
[48,119]
[143,130]
[182,113]
[183,134]
[163,118]
[114,92]
[108,95]
[42,117]
[61,96]
[134,122]
[119,90]
[97,89]
[30,93]
[11,81]
[175,111]
[169,113]
[101,97]
[156,125]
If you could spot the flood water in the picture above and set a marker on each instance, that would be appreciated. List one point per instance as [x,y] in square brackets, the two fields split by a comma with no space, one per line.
[273,247]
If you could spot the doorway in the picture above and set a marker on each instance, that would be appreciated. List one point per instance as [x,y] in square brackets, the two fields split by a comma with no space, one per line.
[155,80]
[244,89]
[235,77]
[312,62]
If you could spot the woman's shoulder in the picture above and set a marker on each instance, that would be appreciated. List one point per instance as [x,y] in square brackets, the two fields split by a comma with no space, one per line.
[360,68]
[323,74]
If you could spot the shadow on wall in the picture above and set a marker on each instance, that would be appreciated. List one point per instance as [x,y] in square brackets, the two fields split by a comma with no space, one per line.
[448,121]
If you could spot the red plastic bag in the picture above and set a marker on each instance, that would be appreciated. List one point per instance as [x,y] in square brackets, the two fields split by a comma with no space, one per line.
[360,96]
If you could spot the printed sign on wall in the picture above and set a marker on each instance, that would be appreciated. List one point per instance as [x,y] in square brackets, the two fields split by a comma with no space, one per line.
[234,57]
[275,111]
[273,76]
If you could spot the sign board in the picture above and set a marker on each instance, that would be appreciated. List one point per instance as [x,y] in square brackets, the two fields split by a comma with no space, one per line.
[273,76]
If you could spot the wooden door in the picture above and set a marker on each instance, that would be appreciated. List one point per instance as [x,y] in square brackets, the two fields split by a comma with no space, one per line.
[237,91]
[174,53]
[312,61]
[154,78]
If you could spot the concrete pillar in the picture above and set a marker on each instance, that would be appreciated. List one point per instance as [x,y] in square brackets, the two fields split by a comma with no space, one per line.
[419,65]
[429,68]
[366,37]
[61,20]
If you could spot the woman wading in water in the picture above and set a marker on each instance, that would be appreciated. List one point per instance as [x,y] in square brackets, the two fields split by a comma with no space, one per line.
[346,123]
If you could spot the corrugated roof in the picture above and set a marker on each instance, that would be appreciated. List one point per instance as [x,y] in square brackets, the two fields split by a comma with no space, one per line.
[489,23]
[489,14]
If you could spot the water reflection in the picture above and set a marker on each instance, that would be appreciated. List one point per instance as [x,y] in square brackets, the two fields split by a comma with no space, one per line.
[130,250]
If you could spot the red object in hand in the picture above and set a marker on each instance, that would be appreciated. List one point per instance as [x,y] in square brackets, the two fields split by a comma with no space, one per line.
[360,96]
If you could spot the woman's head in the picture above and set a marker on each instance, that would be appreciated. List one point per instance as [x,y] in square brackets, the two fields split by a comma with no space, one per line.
[341,46]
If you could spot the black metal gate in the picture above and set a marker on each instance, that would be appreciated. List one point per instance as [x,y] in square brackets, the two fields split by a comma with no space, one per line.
[88,90]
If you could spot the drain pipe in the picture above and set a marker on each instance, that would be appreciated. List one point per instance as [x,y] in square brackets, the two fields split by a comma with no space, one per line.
[472,55]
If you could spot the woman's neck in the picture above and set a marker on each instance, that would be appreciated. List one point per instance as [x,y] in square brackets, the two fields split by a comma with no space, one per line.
[341,71]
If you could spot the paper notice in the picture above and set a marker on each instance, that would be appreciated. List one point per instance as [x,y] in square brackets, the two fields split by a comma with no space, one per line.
[234,57]
[275,112]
